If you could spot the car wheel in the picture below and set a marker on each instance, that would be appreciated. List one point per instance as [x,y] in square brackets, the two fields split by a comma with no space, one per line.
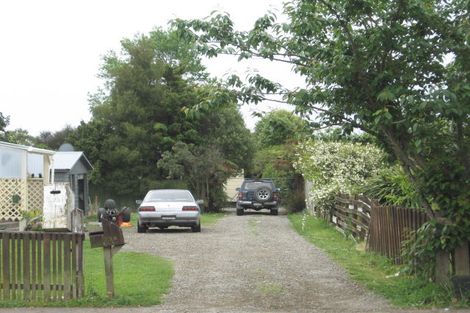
[263,194]
[274,212]
[141,229]
[196,228]
[240,212]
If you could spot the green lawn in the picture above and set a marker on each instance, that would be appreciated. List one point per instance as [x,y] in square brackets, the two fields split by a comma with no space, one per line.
[371,270]
[140,280]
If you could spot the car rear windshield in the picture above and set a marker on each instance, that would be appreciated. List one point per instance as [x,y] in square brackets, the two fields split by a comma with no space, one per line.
[169,196]
[257,184]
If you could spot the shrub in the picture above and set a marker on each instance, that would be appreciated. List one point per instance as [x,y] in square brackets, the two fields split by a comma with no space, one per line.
[391,186]
[335,167]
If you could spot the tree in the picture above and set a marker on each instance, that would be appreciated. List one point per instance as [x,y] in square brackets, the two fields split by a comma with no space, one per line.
[153,107]
[4,120]
[224,146]
[398,70]
[19,136]
[279,127]
[276,135]
[53,140]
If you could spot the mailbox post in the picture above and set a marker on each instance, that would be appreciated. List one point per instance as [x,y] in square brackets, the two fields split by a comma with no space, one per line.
[112,240]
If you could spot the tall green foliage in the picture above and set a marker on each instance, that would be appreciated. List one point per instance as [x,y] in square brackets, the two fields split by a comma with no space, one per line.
[336,167]
[398,70]
[149,111]
[276,135]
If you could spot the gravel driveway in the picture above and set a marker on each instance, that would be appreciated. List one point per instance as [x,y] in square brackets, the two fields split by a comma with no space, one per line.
[250,263]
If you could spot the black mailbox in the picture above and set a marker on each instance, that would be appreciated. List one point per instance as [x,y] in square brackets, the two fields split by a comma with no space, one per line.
[110,237]
[96,239]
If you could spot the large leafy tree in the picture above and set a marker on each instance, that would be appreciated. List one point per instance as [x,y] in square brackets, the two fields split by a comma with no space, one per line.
[224,146]
[280,127]
[276,136]
[398,70]
[53,140]
[153,104]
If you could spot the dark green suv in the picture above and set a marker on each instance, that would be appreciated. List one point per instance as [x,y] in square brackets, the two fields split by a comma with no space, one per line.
[258,194]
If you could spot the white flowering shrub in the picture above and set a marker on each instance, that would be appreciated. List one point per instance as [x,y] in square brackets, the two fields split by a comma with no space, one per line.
[335,167]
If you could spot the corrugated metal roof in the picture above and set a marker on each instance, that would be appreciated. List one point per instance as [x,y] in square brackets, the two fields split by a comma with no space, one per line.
[67,160]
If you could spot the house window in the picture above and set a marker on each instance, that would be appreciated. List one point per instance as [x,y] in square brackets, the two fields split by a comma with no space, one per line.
[10,163]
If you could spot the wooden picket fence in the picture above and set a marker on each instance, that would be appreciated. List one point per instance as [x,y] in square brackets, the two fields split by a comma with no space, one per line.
[41,266]
[390,226]
[384,228]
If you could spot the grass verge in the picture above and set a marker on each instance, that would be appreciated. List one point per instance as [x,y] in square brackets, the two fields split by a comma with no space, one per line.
[375,272]
[211,218]
[139,280]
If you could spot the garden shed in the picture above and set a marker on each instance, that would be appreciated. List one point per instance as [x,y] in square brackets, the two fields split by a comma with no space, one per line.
[24,171]
[73,167]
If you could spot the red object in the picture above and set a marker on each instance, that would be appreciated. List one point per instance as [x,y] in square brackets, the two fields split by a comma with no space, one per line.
[147,209]
[119,220]
[190,208]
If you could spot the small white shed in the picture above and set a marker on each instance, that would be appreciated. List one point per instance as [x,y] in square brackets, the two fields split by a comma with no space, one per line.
[24,171]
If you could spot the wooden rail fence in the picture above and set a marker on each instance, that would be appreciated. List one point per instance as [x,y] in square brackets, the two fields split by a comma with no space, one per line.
[351,215]
[41,266]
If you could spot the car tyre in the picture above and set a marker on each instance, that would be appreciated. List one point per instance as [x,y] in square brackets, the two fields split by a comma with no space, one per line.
[240,212]
[274,212]
[263,194]
[141,229]
[196,228]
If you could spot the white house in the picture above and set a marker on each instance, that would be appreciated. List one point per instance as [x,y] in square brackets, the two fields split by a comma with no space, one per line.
[24,171]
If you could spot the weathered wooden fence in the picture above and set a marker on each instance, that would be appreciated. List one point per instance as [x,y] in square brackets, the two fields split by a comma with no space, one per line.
[390,226]
[41,266]
[383,227]
[351,215]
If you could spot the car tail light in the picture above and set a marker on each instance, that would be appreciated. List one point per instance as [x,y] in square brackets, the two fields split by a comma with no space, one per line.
[241,195]
[190,208]
[147,209]
[275,196]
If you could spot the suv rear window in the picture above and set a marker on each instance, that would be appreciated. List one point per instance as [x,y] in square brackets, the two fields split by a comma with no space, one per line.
[256,185]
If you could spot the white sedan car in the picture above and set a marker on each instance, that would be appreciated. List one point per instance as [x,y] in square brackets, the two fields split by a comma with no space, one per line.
[169,207]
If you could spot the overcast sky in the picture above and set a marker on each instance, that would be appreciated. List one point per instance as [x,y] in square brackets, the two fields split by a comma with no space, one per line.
[51,51]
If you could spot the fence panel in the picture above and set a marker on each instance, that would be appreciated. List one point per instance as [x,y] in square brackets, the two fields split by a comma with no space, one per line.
[352,215]
[390,226]
[41,266]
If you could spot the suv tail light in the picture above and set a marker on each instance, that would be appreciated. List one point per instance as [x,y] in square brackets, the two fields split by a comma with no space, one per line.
[147,209]
[241,195]
[190,208]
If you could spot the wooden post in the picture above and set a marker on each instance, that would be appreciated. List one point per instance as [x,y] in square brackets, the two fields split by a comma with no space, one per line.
[462,260]
[442,268]
[108,267]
